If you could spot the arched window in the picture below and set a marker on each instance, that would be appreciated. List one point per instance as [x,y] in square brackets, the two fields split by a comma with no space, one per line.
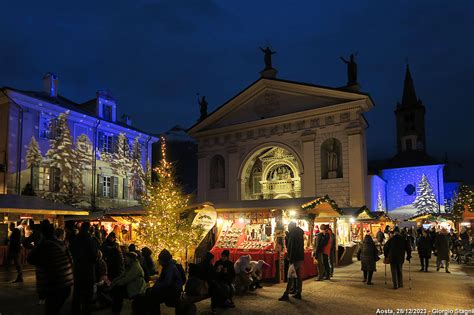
[217,172]
[331,159]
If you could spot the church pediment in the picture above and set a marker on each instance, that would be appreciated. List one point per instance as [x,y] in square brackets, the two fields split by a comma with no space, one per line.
[272,98]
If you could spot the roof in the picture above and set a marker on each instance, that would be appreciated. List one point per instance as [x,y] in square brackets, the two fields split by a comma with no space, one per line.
[278,80]
[36,205]
[85,108]
[266,204]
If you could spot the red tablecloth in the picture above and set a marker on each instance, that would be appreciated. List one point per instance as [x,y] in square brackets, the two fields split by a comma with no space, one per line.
[269,257]
[309,267]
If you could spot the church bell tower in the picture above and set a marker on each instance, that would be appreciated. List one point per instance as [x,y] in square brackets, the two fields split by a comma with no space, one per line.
[410,116]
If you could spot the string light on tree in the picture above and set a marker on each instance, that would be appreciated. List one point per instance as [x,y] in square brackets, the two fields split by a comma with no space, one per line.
[163,225]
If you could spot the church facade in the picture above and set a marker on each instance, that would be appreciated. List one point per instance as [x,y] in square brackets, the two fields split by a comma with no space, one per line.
[282,139]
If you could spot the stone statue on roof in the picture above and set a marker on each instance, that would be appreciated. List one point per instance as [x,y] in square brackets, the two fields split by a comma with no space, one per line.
[268,57]
[351,69]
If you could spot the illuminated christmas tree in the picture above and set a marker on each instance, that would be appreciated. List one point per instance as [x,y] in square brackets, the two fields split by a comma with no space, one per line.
[164,226]
[464,201]
[380,206]
[425,201]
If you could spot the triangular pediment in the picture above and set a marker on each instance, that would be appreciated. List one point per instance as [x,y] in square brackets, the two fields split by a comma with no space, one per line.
[272,98]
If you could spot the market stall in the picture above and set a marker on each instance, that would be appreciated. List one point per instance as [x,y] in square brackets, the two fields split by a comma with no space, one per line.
[257,228]
[438,221]
[23,211]
[372,221]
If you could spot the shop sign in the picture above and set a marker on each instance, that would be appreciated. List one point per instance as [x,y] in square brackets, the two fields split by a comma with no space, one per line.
[205,219]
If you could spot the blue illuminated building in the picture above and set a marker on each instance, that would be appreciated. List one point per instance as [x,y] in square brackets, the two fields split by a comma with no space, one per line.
[33,114]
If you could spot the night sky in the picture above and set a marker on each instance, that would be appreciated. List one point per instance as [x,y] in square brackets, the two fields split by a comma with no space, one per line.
[154,56]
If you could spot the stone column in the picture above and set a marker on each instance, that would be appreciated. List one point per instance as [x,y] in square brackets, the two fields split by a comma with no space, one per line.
[233,176]
[357,166]
[309,175]
[203,177]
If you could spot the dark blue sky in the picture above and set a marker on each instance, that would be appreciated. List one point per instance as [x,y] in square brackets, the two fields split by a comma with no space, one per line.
[156,55]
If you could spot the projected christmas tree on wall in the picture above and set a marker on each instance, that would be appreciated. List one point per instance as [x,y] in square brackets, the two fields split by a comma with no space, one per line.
[425,201]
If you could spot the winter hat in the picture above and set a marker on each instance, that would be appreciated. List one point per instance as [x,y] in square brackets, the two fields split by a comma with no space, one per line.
[132,248]
[165,256]
[146,251]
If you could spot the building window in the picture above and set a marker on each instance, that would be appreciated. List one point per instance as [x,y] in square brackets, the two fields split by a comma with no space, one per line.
[54,179]
[47,127]
[107,112]
[408,144]
[43,177]
[125,188]
[106,142]
[217,172]
[331,159]
[107,186]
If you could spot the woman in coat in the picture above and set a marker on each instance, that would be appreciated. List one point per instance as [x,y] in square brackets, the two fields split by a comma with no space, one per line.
[424,250]
[442,245]
[129,283]
[368,256]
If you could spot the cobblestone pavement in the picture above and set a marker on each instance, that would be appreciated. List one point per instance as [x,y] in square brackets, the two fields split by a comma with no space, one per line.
[345,294]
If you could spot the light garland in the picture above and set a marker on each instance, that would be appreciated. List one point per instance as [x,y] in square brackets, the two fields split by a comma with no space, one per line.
[162,227]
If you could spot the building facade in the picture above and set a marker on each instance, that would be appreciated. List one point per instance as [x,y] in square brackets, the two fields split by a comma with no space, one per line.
[282,139]
[65,149]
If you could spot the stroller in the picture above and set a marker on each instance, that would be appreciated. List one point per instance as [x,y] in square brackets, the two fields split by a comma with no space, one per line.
[465,255]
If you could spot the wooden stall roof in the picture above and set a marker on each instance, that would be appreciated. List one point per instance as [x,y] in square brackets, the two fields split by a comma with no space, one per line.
[322,207]
[36,205]
[259,205]
[374,216]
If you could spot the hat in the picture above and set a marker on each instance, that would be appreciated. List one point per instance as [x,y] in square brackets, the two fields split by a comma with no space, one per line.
[112,234]
[165,256]
[225,252]
[323,227]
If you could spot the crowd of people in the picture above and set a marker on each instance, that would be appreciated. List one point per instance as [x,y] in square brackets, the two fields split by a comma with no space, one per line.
[89,264]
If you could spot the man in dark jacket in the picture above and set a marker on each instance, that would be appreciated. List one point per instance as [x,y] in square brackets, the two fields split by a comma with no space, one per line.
[424,250]
[395,249]
[85,254]
[167,288]
[295,252]
[320,241]
[112,256]
[14,252]
[54,275]
[442,245]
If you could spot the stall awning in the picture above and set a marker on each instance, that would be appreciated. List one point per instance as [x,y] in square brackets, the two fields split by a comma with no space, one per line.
[36,205]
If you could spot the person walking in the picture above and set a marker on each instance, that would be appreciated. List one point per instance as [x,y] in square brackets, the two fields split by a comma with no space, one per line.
[112,256]
[327,252]
[85,254]
[395,250]
[295,249]
[424,250]
[368,256]
[332,255]
[54,275]
[320,241]
[380,238]
[14,252]
[129,283]
[442,245]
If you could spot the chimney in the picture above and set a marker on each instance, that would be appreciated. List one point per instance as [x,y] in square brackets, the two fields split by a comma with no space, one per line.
[127,120]
[50,84]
